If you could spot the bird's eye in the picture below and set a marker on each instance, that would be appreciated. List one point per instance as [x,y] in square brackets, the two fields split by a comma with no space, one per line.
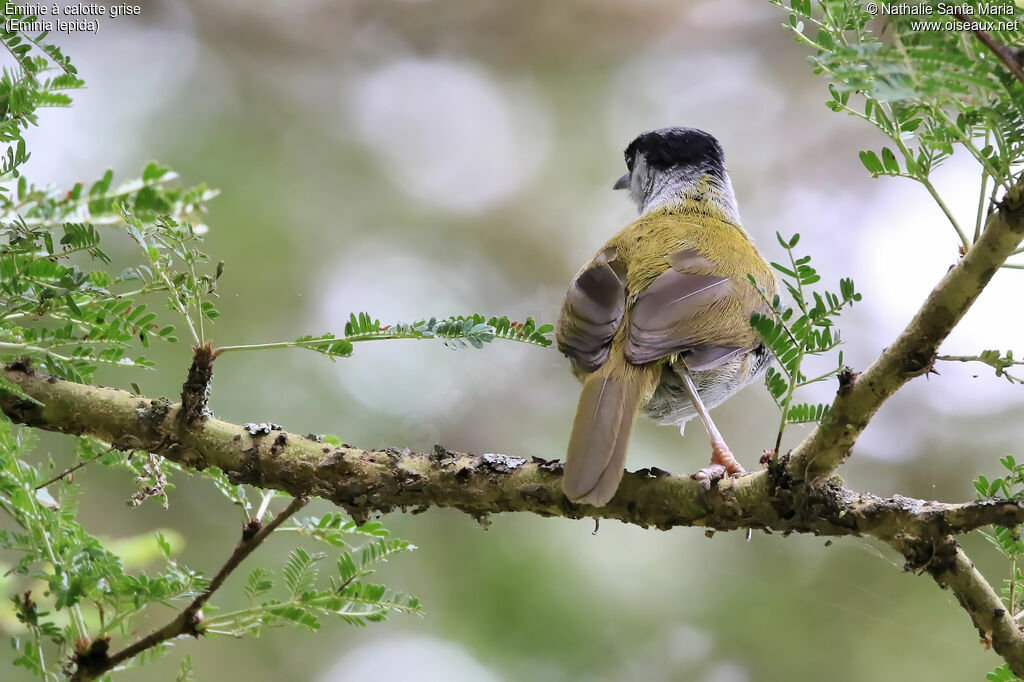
[629,163]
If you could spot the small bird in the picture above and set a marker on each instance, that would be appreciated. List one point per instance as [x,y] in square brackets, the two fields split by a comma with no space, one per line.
[659,319]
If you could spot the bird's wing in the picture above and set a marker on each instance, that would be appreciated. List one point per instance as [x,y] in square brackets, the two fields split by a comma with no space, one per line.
[676,314]
[592,311]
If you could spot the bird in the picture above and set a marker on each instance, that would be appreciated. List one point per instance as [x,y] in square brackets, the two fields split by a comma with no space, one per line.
[658,321]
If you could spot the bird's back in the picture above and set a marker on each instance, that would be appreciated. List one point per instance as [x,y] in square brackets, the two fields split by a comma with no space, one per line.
[711,246]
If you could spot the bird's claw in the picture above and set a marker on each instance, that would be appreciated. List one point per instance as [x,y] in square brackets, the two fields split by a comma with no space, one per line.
[722,464]
[709,475]
[713,473]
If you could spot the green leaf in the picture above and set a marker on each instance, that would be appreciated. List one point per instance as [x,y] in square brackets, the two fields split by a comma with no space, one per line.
[153,172]
[803,413]
[889,161]
[1002,674]
[300,571]
[101,186]
[872,162]
[327,345]
[784,270]
[164,545]
[259,582]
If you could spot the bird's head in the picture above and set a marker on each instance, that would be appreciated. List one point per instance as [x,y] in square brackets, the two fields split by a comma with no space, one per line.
[663,165]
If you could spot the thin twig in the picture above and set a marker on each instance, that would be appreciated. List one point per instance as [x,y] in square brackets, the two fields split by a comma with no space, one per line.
[246,547]
[189,621]
[974,358]
[979,220]
[68,472]
[997,361]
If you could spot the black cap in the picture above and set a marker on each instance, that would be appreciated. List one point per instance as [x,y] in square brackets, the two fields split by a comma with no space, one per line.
[669,147]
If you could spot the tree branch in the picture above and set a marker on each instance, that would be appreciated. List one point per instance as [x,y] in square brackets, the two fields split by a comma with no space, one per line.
[912,353]
[95,662]
[1006,55]
[365,482]
[951,569]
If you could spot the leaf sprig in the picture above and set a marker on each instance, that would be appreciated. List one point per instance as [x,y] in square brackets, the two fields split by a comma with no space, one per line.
[997,360]
[69,317]
[928,91]
[304,602]
[455,332]
[793,334]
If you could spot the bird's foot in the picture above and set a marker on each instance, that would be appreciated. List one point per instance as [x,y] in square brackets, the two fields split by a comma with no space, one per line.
[708,475]
[723,464]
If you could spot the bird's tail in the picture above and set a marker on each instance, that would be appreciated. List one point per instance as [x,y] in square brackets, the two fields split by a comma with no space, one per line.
[600,433]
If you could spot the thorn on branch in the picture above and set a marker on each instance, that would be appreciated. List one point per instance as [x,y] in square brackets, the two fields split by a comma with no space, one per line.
[847,377]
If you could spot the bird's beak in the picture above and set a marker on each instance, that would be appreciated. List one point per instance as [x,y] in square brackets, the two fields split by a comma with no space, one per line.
[623,182]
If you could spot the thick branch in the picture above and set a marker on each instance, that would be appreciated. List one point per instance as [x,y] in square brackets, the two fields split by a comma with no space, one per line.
[379,481]
[912,353]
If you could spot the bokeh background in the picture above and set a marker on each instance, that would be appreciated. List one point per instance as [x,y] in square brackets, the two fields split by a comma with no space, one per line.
[438,157]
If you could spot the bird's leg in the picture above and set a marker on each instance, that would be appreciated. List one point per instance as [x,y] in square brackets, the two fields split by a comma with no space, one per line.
[722,461]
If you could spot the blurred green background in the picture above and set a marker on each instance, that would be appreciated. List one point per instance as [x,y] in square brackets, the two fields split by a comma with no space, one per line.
[438,157]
